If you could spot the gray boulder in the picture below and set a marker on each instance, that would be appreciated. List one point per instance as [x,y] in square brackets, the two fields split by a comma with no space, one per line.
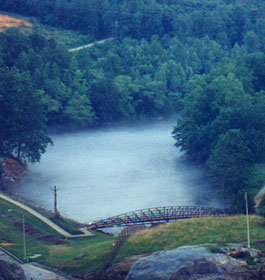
[190,263]
[120,269]
[11,271]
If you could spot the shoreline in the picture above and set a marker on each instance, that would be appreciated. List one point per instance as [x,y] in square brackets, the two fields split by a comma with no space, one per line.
[12,171]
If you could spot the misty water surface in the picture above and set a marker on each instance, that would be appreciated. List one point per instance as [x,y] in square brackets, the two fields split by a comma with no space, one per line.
[115,170]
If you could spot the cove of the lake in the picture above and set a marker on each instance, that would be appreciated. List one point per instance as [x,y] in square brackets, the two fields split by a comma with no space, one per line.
[110,171]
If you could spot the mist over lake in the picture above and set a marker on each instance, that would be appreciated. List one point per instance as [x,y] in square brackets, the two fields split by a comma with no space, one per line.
[111,171]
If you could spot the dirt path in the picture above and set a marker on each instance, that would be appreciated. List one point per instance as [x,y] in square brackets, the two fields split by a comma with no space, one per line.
[44,219]
[259,197]
[90,45]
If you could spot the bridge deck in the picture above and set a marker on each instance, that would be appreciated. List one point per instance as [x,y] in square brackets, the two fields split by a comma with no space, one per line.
[157,214]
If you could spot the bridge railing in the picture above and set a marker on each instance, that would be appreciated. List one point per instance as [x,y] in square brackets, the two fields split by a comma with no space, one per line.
[157,214]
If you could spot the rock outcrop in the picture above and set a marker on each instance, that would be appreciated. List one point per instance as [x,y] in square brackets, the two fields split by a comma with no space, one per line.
[11,172]
[11,271]
[192,263]
[120,269]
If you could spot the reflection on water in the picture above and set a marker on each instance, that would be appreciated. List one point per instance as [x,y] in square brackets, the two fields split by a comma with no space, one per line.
[115,170]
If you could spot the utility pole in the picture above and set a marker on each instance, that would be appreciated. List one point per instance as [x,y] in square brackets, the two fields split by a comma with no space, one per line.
[24,239]
[55,201]
[248,235]
[116,25]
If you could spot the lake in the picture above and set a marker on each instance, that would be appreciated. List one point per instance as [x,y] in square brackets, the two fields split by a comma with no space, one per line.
[110,171]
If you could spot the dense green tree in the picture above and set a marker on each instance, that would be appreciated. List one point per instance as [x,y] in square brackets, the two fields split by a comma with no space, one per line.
[230,165]
[22,118]
[218,19]
[78,111]
[256,64]
[122,84]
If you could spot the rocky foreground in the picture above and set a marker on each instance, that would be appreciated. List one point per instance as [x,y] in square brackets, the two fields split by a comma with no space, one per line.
[192,263]
[11,271]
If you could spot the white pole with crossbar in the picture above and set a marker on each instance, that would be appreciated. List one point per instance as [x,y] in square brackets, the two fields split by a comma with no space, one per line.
[248,235]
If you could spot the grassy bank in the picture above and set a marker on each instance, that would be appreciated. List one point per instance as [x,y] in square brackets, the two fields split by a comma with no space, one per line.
[218,231]
[95,249]
[61,256]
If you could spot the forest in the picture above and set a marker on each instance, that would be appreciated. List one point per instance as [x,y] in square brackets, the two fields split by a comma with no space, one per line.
[201,59]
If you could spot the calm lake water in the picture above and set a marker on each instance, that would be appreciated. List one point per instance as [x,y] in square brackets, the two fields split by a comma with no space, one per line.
[111,171]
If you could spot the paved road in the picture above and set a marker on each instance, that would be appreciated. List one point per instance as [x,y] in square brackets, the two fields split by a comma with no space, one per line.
[44,219]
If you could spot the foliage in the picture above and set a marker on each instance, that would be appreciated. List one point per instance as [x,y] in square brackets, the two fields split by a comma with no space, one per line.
[202,59]
[230,165]
[261,208]
[224,21]
[23,129]
[223,123]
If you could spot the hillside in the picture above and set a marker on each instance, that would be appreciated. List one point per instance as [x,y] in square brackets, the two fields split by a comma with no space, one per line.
[28,25]
[84,255]
[212,230]
[204,60]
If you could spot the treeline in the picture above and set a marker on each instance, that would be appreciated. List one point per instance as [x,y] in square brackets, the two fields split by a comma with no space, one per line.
[43,84]
[224,21]
[202,59]
[222,123]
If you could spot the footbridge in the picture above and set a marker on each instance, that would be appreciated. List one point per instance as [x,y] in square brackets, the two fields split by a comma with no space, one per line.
[157,215]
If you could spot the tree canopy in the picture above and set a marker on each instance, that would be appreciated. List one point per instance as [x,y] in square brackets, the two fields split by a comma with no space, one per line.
[202,59]
[22,121]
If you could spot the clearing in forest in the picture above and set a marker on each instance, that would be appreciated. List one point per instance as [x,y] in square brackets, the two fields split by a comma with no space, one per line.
[8,21]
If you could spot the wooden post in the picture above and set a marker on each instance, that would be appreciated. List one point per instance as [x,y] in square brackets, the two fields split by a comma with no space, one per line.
[55,201]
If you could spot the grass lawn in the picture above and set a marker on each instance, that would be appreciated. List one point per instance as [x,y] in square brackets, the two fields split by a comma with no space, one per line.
[219,230]
[61,256]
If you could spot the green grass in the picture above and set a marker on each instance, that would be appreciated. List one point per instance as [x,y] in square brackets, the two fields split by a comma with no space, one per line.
[94,248]
[61,256]
[67,224]
[218,231]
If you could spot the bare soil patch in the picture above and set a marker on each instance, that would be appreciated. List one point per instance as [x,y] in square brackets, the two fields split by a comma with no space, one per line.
[8,21]
[33,232]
